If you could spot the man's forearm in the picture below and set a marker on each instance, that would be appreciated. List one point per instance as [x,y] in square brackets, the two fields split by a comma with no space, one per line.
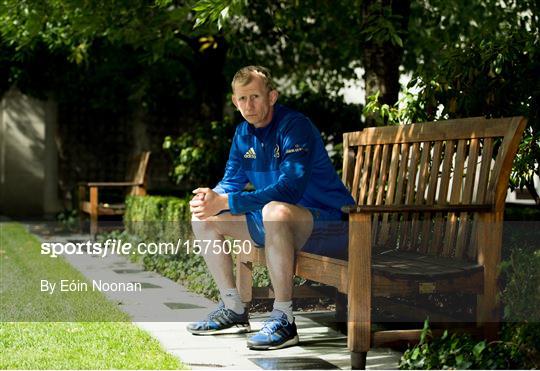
[224,201]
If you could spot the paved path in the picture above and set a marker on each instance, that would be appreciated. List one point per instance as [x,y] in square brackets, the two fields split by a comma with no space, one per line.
[163,307]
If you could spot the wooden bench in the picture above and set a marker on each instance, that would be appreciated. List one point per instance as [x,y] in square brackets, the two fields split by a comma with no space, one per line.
[135,184]
[427,220]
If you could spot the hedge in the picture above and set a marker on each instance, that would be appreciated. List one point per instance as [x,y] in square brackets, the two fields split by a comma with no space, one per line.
[157,217]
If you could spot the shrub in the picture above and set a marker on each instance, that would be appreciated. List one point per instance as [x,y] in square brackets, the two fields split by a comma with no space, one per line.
[157,217]
[457,352]
[521,299]
[198,156]
[521,295]
[520,336]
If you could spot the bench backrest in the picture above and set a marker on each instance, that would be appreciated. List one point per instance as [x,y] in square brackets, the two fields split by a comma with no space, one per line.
[136,171]
[462,161]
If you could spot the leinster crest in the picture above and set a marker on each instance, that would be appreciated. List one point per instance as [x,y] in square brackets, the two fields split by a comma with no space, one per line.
[276,151]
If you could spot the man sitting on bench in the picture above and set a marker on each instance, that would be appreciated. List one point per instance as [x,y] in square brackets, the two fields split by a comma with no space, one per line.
[281,153]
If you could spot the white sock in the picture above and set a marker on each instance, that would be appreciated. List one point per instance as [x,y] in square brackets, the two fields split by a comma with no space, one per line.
[231,299]
[285,307]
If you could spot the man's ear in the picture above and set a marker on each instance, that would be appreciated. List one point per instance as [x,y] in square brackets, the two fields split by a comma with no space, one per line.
[273,96]
[234,101]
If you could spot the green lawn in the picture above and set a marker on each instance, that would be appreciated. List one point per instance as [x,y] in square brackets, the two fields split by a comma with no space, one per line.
[29,339]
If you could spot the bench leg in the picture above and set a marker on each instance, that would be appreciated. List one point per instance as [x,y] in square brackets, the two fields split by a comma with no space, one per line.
[489,240]
[359,289]
[93,211]
[244,279]
[358,360]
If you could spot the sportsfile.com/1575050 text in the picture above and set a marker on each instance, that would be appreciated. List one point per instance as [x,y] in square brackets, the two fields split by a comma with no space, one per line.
[114,246]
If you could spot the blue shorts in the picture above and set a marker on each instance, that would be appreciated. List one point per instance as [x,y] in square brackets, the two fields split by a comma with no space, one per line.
[330,235]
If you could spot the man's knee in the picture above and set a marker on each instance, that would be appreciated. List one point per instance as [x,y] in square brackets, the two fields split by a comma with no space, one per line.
[276,211]
[203,225]
[222,224]
[209,220]
[197,221]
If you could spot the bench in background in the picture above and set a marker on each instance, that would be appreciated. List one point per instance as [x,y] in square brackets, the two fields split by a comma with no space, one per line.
[135,184]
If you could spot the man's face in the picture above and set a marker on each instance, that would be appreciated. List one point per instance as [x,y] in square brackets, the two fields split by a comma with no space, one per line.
[255,102]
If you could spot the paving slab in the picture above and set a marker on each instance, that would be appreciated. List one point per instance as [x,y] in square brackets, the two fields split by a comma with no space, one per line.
[163,308]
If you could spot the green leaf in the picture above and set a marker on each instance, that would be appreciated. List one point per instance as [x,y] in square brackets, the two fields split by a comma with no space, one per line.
[478,349]
[397,40]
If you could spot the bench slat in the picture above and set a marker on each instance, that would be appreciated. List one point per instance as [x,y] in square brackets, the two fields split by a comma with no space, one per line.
[394,219]
[442,197]
[357,169]
[481,189]
[374,175]
[348,163]
[385,239]
[431,193]
[464,238]
[455,196]
[383,178]
[474,127]
[406,235]
[485,167]
[366,169]
[381,185]
[421,195]
[417,208]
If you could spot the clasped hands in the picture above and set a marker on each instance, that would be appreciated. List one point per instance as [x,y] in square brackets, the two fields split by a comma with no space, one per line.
[207,203]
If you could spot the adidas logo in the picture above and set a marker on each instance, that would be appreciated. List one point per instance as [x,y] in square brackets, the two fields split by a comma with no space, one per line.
[250,153]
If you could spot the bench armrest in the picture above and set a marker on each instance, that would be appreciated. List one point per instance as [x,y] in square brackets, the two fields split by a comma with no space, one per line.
[110,184]
[353,209]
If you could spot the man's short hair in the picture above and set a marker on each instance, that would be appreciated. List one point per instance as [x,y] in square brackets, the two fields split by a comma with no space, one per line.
[245,75]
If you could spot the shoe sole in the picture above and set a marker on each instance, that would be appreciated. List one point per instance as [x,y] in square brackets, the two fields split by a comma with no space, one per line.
[236,329]
[288,343]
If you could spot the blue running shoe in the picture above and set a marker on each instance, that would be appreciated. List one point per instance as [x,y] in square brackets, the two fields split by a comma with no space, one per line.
[276,333]
[221,321]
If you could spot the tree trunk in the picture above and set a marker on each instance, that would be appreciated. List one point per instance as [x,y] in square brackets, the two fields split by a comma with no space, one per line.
[381,61]
[207,70]
[141,142]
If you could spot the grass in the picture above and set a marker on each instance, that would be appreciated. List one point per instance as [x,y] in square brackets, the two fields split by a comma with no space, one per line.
[43,331]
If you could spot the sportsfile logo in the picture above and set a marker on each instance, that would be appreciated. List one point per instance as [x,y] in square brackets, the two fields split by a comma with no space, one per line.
[250,153]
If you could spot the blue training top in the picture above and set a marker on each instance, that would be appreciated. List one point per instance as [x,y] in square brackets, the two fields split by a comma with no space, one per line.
[285,161]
